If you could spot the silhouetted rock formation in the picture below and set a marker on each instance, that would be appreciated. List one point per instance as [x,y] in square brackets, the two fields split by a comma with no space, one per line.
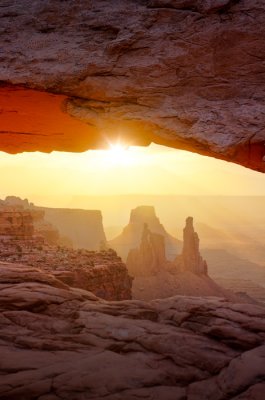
[190,259]
[59,342]
[156,277]
[131,236]
[150,257]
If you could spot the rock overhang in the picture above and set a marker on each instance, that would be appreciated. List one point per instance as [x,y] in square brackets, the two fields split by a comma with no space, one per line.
[186,74]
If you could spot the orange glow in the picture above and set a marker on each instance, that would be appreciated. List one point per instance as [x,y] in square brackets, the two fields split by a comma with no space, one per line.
[31,117]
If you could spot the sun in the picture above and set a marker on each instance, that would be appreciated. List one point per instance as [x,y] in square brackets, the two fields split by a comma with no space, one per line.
[118,154]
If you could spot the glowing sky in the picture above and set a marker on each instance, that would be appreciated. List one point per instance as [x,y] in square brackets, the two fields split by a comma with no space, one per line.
[146,170]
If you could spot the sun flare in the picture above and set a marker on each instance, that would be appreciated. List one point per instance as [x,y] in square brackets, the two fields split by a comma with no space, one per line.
[118,153]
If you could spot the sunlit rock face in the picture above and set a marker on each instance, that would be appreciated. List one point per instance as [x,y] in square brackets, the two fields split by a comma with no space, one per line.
[188,74]
[59,342]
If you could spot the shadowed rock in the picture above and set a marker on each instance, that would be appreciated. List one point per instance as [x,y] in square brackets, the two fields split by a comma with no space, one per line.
[63,343]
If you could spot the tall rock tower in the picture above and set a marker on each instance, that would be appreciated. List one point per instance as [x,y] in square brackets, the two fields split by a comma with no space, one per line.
[190,259]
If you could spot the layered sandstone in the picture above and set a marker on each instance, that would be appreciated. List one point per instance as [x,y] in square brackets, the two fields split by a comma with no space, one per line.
[59,342]
[27,238]
[185,73]
[64,226]
[131,235]
[40,227]
[15,223]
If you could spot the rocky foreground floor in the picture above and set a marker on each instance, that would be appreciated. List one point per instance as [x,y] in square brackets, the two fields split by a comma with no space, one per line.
[63,343]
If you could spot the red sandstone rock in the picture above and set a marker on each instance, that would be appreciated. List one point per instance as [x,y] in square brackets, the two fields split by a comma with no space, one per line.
[102,273]
[15,223]
[185,73]
[63,343]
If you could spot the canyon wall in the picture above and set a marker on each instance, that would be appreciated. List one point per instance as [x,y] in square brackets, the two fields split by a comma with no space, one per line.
[83,227]
[16,223]
[66,226]
[28,239]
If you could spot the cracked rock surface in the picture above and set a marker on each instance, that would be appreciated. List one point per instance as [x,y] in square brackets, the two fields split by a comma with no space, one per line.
[57,342]
[185,73]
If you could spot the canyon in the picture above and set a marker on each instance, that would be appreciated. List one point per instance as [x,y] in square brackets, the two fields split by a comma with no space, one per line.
[101,272]
[155,277]
[76,323]
[71,318]
[187,74]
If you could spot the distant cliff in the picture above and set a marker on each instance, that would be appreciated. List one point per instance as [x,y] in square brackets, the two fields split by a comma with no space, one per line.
[83,227]
[130,238]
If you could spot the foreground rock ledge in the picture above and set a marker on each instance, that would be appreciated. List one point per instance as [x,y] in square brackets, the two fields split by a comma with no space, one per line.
[184,73]
[63,343]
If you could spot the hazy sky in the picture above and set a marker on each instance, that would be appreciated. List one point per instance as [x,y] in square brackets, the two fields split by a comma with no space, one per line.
[55,178]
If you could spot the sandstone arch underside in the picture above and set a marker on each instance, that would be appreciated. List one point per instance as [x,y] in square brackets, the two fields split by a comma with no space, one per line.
[189,74]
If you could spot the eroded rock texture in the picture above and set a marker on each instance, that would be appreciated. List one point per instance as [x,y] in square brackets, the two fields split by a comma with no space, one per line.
[185,73]
[62,343]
